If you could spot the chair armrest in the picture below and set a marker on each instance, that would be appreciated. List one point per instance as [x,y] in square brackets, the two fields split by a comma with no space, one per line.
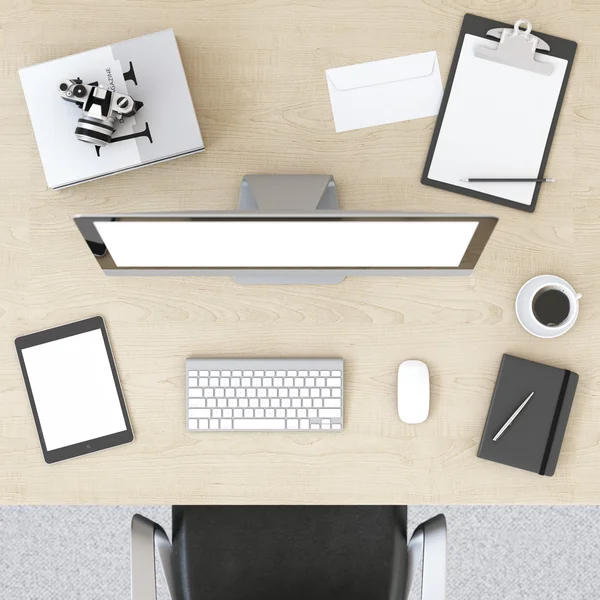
[146,537]
[428,544]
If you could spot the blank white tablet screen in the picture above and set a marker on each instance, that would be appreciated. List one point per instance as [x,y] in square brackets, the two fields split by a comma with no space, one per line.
[73,389]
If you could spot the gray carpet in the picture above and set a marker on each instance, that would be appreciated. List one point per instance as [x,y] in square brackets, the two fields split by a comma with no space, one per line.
[494,553]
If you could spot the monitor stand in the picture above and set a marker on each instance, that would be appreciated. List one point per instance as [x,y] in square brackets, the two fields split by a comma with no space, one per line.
[288,193]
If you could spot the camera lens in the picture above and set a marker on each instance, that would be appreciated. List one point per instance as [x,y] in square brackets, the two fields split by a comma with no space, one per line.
[63,87]
[79,91]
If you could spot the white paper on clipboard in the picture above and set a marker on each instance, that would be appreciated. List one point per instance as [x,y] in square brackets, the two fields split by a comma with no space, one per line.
[496,123]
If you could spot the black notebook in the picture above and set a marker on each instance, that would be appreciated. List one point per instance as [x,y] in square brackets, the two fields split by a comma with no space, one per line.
[533,440]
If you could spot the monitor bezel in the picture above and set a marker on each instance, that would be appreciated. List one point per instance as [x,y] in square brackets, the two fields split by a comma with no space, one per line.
[87,228]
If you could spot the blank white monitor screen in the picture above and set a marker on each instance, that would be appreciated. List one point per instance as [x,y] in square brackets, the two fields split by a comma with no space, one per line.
[73,389]
[301,243]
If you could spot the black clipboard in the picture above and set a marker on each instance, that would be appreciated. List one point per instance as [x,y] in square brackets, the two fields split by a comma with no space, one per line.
[479,26]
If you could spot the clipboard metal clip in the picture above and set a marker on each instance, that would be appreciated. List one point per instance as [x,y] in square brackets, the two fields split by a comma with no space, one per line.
[517,48]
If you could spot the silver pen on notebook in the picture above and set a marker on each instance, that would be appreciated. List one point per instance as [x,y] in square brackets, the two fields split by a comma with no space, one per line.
[512,418]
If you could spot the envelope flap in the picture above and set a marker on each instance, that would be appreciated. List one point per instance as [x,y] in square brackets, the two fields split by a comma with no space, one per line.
[384,71]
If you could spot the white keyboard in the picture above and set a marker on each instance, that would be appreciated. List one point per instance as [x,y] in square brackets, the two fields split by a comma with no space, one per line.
[271,394]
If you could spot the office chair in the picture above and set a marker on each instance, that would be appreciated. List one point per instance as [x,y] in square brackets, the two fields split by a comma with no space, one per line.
[289,553]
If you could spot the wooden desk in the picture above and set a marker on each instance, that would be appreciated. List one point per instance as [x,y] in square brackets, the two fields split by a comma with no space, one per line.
[256,72]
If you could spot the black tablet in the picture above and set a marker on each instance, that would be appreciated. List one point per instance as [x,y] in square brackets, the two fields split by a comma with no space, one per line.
[74,390]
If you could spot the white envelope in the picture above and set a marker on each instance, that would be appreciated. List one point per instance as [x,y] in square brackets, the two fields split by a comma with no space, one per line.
[385,91]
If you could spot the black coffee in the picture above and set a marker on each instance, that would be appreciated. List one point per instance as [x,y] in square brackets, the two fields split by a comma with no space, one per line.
[551,307]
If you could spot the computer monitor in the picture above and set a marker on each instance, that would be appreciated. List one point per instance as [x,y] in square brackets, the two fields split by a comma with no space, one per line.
[289,243]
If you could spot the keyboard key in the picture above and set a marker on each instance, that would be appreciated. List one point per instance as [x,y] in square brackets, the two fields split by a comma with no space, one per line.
[211,402]
[192,382]
[192,373]
[334,382]
[246,381]
[229,393]
[197,402]
[312,412]
[299,382]
[202,423]
[318,402]
[247,373]
[224,382]
[199,413]
[226,424]
[326,421]
[325,392]
[192,424]
[220,393]
[256,382]
[286,402]
[332,402]
[291,412]
[304,393]
[292,423]
[283,392]
[315,426]
[203,373]
[336,426]
[270,413]
[320,382]
[261,392]
[280,373]
[197,393]
[294,393]
[325,374]
[315,392]
[235,381]
[248,413]
[227,413]
[251,392]
[213,382]
[330,412]
[240,392]
[307,402]
[336,393]
[232,402]
[236,373]
[336,373]
[325,426]
[268,382]
[303,373]
[292,373]
[209,393]
[272,393]
[222,402]
[264,403]
[217,413]
[225,373]
[259,373]
[304,423]
[280,413]
[301,413]
[253,402]
[258,424]
[259,413]
[275,402]
[243,402]
[278,382]
[215,373]
[310,382]
[313,373]
[288,382]
[269,374]
[214,424]
[237,413]
[296,402]
[203,382]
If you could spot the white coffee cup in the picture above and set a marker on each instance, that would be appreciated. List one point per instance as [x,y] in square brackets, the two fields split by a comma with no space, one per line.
[524,305]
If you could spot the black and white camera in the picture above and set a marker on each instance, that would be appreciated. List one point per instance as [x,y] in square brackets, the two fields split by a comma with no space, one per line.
[102,108]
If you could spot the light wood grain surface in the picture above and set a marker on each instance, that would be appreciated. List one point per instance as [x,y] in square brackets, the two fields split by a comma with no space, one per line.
[256,73]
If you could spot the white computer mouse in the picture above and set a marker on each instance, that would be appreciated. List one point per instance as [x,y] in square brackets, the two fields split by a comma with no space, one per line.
[413,391]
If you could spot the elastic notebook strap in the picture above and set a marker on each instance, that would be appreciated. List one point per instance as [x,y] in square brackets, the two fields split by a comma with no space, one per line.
[555,419]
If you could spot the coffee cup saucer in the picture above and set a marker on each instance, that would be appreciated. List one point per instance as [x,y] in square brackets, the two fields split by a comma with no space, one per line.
[524,311]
